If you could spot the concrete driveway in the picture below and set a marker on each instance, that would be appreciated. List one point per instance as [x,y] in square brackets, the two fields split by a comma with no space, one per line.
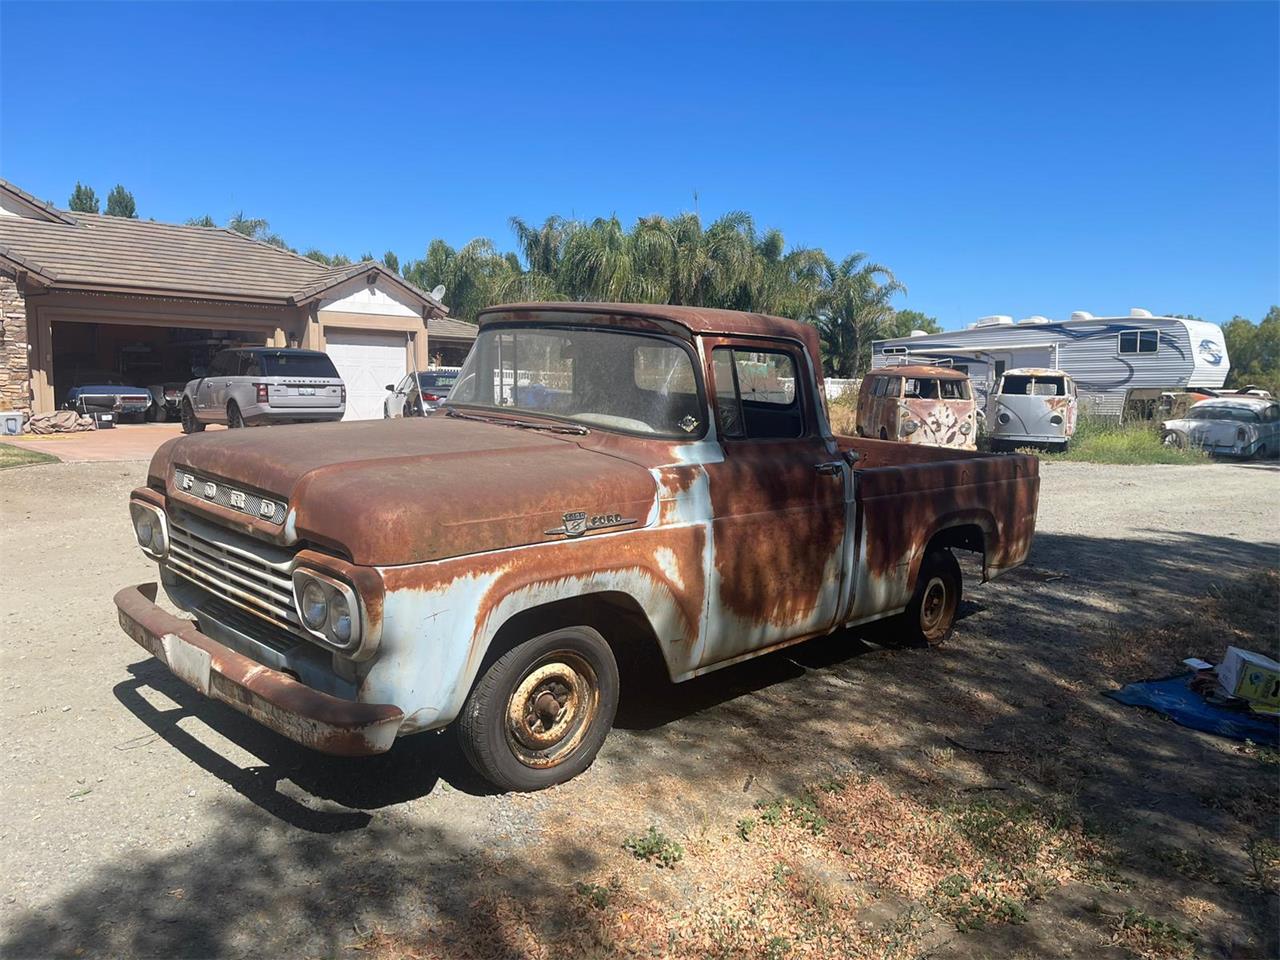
[128,442]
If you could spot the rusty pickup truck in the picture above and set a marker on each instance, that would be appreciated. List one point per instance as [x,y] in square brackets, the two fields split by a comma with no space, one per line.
[604,479]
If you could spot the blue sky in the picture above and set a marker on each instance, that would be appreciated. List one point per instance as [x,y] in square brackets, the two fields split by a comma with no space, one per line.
[1001,158]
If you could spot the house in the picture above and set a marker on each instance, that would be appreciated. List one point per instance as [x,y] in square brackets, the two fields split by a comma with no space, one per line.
[84,294]
[1106,356]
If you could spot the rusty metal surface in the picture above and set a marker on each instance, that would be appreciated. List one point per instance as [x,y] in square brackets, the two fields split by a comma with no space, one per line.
[450,528]
[941,422]
[324,723]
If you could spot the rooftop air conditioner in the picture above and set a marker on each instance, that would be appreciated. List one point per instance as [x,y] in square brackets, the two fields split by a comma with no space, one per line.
[919,333]
[1035,319]
[1139,312]
[1081,315]
[995,321]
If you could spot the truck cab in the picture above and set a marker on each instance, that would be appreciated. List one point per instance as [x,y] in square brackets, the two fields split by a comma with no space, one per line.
[604,482]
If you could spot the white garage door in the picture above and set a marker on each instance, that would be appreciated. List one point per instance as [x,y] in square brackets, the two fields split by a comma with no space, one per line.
[367,362]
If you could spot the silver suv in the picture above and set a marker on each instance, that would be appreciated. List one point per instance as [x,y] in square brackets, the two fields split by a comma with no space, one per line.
[259,385]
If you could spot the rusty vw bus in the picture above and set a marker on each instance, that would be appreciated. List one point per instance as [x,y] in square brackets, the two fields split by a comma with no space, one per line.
[918,404]
[1032,406]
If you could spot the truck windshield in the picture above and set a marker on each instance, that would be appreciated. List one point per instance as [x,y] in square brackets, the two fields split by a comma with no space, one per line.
[629,382]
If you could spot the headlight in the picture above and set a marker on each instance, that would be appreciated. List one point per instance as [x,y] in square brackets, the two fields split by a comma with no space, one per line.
[965,428]
[1056,420]
[910,427]
[150,528]
[314,605]
[328,608]
[1004,418]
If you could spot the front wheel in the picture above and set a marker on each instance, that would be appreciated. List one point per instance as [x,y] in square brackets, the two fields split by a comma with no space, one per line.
[930,617]
[1172,438]
[189,422]
[539,714]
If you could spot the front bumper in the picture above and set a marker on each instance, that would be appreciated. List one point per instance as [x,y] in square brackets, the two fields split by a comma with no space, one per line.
[317,720]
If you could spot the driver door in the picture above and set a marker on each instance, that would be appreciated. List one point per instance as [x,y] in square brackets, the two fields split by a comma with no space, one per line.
[778,503]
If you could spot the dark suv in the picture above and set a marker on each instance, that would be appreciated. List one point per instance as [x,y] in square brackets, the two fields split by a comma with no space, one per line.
[259,385]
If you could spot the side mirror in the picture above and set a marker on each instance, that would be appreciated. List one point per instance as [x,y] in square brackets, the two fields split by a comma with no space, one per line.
[391,388]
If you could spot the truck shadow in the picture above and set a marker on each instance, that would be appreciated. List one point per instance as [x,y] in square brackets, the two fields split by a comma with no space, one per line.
[305,871]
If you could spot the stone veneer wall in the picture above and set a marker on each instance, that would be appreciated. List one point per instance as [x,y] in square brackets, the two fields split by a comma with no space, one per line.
[15,364]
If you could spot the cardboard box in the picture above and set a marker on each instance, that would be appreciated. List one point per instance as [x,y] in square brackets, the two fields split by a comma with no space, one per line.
[1250,676]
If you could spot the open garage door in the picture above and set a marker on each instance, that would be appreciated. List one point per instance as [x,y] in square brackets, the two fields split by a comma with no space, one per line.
[367,362]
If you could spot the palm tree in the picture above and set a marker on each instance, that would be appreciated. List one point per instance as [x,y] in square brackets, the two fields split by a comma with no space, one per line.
[851,308]
[602,261]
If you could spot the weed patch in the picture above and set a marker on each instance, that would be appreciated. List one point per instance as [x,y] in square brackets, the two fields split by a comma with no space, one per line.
[1107,440]
[654,847]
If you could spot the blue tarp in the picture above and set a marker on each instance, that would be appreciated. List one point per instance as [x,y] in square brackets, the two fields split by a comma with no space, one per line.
[1174,698]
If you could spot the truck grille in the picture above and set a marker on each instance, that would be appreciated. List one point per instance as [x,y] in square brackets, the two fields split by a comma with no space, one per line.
[234,573]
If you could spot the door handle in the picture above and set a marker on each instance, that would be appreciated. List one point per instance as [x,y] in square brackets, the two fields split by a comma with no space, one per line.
[830,468]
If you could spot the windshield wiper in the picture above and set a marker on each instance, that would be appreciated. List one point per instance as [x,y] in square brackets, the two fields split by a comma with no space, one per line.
[520,424]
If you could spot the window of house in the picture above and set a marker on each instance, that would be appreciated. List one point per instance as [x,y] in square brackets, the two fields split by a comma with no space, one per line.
[756,394]
[1139,341]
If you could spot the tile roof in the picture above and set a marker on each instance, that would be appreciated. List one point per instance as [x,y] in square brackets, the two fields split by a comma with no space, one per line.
[91,251]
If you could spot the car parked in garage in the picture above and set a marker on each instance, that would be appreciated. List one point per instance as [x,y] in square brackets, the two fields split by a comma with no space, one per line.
[166,400]
[261,385]
[96,392]
[433,389]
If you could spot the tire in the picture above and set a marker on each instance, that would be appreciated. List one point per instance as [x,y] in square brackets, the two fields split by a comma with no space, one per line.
[162,413]
[930,617]
[188,416]
[1172,438]
[235,420]
[502,727]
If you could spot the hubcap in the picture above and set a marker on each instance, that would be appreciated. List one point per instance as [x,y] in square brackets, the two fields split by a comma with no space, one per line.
[551,709]
[934,606]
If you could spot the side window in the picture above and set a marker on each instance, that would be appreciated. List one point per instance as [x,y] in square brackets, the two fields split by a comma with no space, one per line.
[221,365]
[756,394]
[250,366]
[1139,341]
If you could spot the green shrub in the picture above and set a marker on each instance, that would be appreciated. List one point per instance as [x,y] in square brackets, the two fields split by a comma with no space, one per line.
[654,846]
[1106,440]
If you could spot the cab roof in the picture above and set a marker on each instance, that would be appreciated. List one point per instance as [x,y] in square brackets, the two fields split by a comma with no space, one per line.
[920,370]
[1036,372]
[697,320]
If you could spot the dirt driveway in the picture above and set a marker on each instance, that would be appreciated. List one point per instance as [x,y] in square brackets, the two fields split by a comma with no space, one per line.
[140,820]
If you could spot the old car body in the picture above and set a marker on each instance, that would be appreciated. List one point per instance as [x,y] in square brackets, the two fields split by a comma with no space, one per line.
[99,393]
[603,477]
[253,386]
[1032,406]
[919,404]
[1232,425]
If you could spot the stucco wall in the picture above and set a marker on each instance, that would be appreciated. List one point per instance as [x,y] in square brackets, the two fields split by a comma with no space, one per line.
[15,369]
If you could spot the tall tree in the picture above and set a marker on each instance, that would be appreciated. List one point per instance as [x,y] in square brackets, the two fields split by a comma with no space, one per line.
[205,221]
[852,308]
[391,261]
[904,321]
[83,199]
[1254,351]
[120,203]
[255,228]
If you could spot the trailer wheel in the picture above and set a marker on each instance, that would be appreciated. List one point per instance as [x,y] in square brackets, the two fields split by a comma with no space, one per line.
[540,713]
[189,422]
[930,617]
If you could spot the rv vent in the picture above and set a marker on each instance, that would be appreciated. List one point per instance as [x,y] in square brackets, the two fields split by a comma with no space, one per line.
[919,333]
[996,321]
[1139,312]
[1036,319]
[1081,315]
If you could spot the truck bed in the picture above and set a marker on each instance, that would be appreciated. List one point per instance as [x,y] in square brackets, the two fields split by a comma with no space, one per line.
[907,496]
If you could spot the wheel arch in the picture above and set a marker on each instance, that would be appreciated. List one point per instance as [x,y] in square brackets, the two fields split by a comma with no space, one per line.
[971,530]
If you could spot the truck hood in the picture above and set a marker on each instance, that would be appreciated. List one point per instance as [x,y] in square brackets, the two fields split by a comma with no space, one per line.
[391,492]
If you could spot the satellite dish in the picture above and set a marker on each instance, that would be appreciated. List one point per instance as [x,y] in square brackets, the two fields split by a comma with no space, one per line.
[438,292]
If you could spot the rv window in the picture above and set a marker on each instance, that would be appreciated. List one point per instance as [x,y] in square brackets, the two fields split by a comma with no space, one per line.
[1139,341]
[954,389]
[887,351]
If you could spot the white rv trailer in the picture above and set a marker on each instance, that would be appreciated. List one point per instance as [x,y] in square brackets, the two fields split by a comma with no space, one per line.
[1106,356]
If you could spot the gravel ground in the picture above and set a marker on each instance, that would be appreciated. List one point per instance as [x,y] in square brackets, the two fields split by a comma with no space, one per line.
[139,819]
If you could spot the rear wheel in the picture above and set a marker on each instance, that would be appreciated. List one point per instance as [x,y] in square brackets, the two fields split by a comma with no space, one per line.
[189,422]
[234,419]
[1172,438]
[539,713]
[930,618]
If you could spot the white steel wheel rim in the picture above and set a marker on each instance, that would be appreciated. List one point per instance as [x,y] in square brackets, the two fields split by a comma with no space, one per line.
[551,709]
[933,605]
